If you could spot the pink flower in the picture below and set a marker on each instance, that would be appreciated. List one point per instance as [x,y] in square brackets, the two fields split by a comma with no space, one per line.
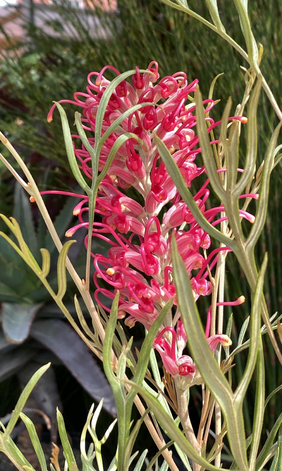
[138,228]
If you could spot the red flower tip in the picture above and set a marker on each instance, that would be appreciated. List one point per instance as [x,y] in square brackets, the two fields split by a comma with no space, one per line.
[32,199]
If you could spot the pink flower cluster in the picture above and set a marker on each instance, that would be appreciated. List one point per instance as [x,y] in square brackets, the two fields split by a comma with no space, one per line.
[138,228]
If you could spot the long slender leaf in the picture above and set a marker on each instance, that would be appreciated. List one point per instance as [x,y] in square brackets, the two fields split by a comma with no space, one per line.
[23,398]
[205,360]
[70,152]
[171,429]
[185,193]
[65,443]
[61,270]
[35,441]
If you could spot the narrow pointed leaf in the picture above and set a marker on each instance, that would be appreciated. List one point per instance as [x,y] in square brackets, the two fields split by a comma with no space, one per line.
[213,9]
[117,144]
[243,331]
[242,9]
[105,100]
[65,443]
[61,269]
[261,212]
[23,398]
[259,406]
[207,153]
[171,429]
[70,151]
[35,441]
[205,361]
[251,155]
[185,193]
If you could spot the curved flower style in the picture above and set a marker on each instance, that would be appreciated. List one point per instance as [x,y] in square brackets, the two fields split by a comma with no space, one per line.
[171,352]
[138,229]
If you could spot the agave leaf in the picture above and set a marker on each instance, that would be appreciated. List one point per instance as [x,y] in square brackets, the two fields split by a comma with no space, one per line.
[15,275]
[11,362]
[4,344]
[61,223]
[22,214]
[60,338]
[8,295]
[17,320]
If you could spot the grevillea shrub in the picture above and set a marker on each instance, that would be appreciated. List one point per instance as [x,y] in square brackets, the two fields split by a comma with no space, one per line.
[146,153]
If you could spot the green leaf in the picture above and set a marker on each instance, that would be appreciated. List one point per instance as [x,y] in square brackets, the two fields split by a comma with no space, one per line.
[186,195]
[262,207]
[171,429]
[242,9]
[205,361]
[46,261]
[61,270]
[65,443]
[15,455]
[243,331]
[207,154]
[277,461]
[213,9]
[23,398]
[70,152]
[268,443]
[17,320]
[251,155]
[8,295]
[105,100]
[259,406]
[117,144]
[35,441]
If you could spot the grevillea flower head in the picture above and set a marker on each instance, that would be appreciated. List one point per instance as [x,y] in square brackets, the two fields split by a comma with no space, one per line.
[138,233]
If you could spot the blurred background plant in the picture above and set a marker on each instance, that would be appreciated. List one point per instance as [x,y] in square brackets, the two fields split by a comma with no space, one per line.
[44,67]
